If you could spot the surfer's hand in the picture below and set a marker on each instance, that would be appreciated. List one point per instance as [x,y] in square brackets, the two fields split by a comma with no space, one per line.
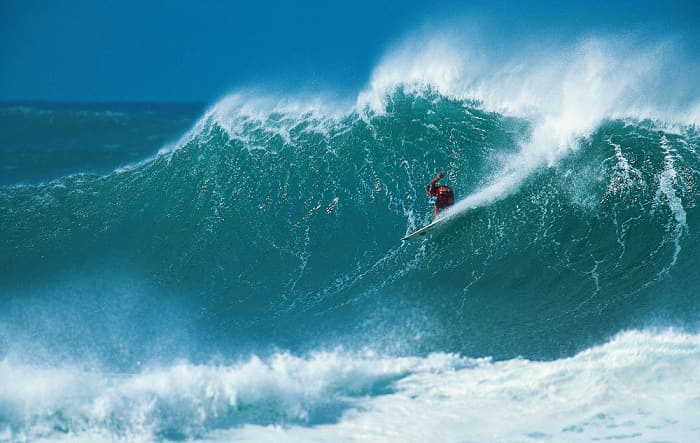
[441,175]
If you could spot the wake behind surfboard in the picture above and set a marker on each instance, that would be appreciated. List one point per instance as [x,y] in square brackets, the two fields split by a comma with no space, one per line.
[484,196]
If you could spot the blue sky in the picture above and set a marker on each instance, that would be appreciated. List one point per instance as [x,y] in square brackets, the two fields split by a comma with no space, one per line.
[86,50]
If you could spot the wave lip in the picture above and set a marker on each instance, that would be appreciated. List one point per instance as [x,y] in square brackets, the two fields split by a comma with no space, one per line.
[564,91]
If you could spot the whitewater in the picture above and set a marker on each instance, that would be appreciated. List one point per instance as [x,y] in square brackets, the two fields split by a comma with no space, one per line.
[240,277]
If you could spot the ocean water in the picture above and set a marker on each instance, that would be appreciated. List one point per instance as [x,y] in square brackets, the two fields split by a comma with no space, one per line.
[234,272]
[45,141]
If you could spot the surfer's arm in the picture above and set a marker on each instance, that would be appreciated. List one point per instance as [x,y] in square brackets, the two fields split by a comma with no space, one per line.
[432,189]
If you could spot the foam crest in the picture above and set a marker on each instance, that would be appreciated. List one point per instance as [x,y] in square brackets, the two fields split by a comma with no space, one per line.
[565,92]
[633,388]
[189,400]
[571,86]
[243,111]
[619,388]
[434,62]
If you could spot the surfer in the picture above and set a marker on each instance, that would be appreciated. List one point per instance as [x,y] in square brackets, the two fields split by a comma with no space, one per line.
[444,194]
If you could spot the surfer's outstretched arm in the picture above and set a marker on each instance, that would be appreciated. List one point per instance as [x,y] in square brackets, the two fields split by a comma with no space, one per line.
[432,189]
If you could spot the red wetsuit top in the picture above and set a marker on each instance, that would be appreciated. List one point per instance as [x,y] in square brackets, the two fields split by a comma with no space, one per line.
[444,195]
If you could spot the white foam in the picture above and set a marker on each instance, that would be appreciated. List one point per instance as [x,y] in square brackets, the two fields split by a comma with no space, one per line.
[192,399]
[564,91]
[634,388]
[667,180]
[243,111]
[571,86]
[237,112]
[635,385]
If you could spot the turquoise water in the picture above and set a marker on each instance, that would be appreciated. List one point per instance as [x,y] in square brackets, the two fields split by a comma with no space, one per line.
[246,281]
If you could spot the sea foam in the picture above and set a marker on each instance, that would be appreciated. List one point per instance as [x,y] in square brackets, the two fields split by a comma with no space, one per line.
[635,386]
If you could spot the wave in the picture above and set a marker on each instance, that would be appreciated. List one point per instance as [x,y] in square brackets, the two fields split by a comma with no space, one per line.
[248,281]
[576,214]
[295,219]
[616,390]
[564,91]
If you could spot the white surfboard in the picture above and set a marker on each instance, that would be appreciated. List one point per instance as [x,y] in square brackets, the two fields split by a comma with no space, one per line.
[425,229]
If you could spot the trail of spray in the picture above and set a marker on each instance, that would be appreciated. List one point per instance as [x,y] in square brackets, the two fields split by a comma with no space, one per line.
[564,92]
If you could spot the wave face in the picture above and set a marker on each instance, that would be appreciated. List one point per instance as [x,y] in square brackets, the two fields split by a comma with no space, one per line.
[285,229]
[273,231]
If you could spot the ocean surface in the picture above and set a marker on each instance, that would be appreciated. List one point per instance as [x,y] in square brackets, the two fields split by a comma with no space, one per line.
[233,272]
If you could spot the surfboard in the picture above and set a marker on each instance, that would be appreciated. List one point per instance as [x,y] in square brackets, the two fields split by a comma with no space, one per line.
[425,229]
